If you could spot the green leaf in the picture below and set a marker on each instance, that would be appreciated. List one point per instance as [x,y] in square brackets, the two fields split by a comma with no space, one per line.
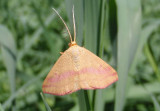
[129,26]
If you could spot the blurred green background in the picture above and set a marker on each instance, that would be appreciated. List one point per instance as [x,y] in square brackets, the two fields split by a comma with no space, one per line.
[124,33]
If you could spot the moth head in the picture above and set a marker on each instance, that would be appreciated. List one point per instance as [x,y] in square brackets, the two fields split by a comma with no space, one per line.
[73,43]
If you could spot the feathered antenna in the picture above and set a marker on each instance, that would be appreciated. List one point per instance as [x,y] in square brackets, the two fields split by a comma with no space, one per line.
[64,24]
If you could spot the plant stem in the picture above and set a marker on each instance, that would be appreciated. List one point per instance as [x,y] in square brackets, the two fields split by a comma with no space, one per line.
[87,101]
[84,101]
[151,60]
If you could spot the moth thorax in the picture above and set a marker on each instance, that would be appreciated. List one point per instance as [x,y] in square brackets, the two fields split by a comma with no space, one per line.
[72,43]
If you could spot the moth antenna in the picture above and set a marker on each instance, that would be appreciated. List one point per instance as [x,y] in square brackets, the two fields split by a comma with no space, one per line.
[64,24]
[74,25]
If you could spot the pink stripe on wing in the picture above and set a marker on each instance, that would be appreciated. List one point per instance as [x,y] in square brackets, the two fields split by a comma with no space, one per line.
[66,93]
[82,71]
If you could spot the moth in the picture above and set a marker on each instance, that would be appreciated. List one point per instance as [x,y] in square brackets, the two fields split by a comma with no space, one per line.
[77,68]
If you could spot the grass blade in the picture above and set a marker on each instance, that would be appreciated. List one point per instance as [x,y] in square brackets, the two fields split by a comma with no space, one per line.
[46,104]
[152,60]
[1,109]
[24,87]
[145,34]
[9,57]
[36,34]
[91,19]
[129,19]
[98,101]
[91,24]
[82,102]
[155,102]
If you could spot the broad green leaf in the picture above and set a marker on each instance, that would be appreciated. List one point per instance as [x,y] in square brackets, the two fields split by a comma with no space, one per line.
[129,26]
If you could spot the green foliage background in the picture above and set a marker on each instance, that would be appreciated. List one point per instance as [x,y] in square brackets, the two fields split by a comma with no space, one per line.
[124,33]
